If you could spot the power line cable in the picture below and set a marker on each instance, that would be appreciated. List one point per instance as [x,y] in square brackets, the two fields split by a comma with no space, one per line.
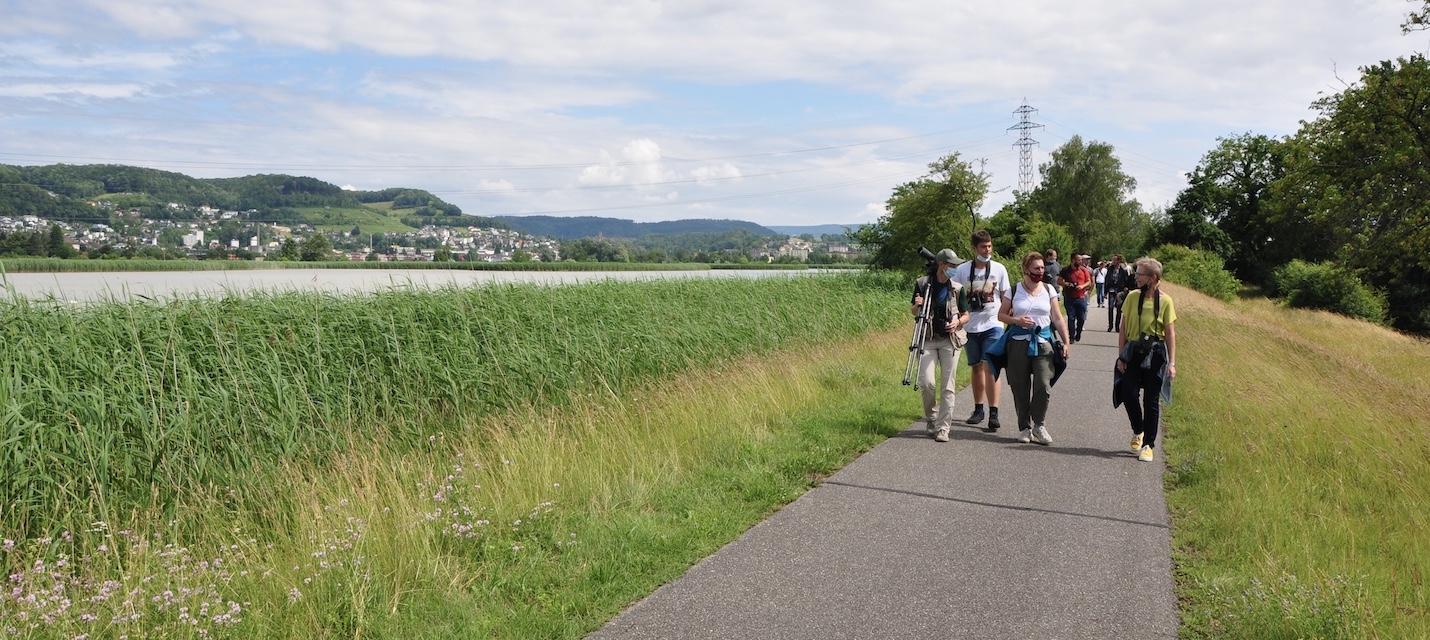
[483,167]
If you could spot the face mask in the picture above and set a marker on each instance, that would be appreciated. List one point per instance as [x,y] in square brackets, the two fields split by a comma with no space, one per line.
[982,258]
[949,272]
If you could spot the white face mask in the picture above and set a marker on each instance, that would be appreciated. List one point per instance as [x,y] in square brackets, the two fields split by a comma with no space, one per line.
[982,258]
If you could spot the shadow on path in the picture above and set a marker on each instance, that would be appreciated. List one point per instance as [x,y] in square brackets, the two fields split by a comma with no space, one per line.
[997,506]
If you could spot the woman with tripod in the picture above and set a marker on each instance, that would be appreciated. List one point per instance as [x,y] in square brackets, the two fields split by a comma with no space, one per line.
[945,317]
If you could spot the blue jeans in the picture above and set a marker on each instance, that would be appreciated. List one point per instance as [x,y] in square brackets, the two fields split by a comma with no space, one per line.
[980,342]
[1077,317]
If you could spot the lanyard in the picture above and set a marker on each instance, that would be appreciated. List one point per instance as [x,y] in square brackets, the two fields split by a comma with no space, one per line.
[1156,307]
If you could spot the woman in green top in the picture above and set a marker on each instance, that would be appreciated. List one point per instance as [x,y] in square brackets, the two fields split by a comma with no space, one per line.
[1147,347]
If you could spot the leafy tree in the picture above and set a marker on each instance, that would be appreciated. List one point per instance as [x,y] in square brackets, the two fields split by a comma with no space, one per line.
[316,248]
[1361,174]
[57,247]
[1008,226]
[520,256]
[1085,190]
[1042,235]
[1231,187]
[1187,223]
[171,237]
[595,250]
[1417,20]
[289,250]
[443,253]
[934,211]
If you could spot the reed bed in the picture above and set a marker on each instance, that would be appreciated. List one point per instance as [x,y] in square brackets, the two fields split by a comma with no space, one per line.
[117,407]
[57,265]
[537,523]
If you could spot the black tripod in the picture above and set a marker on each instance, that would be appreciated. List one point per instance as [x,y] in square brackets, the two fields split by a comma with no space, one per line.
[921,327]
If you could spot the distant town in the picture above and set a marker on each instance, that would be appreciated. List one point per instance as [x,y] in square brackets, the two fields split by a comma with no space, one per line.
[205,232]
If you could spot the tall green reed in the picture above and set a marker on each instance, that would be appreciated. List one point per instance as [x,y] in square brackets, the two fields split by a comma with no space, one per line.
[114,407]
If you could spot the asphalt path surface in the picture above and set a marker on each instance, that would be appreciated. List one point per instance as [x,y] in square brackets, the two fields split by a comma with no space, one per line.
[981,537]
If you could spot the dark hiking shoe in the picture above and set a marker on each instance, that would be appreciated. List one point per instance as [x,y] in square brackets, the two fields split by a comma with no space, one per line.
[977,416]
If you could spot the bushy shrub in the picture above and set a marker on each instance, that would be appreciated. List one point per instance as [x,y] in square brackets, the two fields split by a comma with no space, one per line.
[1324,285]
[1198,269]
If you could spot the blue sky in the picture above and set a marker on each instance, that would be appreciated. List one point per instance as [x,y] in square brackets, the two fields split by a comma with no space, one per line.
[778,113]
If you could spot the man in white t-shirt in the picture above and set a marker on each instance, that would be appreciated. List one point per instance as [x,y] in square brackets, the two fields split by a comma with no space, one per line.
[987,284]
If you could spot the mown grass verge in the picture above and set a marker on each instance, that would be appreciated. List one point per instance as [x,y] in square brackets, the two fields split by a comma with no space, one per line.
[533,522]
[1299,468]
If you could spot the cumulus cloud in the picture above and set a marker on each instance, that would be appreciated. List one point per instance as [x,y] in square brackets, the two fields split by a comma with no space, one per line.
[639,163]
[466,86]
[971,53]
[498,185]
[722,171]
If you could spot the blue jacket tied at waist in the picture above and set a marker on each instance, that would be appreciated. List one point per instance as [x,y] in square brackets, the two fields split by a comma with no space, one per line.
[997,355]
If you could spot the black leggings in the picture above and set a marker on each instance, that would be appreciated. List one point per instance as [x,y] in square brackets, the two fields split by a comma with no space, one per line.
[1144,412]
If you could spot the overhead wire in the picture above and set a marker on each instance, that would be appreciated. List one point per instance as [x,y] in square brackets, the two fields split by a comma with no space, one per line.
[216,164]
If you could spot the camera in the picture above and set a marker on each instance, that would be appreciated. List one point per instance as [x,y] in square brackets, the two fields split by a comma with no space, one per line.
[930,262]
[1142,348]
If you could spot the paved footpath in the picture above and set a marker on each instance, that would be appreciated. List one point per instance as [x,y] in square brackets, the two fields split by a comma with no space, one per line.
[981,537]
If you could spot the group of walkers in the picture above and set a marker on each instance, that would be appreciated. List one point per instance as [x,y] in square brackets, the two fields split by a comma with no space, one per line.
[1020,329]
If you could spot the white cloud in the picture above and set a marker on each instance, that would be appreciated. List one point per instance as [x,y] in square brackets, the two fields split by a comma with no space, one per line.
[639,163]
[63,90]
[70,58]
[503,99]
[458,92]
[1226,52]
[721,172]
[499,185]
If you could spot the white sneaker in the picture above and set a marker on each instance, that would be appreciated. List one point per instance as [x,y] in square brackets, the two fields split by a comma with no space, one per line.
[942,435]
[1040,435]
[928,426]
[1025,435]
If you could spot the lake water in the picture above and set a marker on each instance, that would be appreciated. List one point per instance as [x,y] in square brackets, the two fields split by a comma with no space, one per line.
[80,287]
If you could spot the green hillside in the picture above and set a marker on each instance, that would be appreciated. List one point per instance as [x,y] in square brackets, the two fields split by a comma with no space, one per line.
[368,219]
[69,193]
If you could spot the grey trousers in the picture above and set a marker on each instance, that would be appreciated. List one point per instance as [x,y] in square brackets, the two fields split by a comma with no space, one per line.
[1029,378]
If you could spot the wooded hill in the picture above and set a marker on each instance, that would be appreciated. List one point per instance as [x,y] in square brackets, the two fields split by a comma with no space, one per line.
[66,192]
[593,226]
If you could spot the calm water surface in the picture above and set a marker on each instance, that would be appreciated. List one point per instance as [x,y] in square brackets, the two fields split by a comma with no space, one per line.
[81,287]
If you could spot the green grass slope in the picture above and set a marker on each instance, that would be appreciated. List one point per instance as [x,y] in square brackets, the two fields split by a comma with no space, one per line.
[1299,474]
[368,219]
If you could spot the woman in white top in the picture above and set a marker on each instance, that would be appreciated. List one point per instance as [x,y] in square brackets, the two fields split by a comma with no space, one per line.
[1032,314]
